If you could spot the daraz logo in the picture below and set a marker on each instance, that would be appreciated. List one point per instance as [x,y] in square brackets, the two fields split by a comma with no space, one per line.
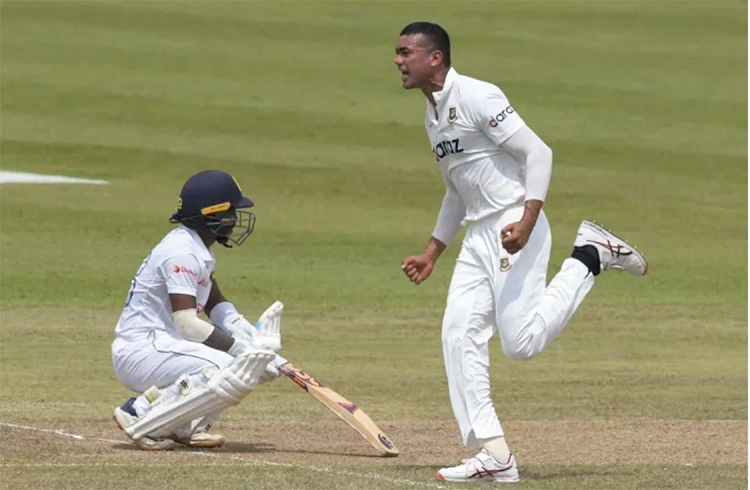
[501,116]
[179,268]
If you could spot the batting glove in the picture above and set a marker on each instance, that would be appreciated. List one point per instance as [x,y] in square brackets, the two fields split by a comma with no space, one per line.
[270,374]
[240,346]
[237,326]
[242,343]
[267,335]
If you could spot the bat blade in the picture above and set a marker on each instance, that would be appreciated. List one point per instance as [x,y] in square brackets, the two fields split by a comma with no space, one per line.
[346,410]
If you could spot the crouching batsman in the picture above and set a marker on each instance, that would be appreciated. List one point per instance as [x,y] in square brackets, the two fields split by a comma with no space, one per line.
[186,369]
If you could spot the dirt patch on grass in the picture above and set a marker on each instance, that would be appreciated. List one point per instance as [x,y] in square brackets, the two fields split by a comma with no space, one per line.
[613,442]
[330,443]
[598,442]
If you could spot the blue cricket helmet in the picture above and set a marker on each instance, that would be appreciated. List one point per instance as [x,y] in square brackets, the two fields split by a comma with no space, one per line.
[212,201]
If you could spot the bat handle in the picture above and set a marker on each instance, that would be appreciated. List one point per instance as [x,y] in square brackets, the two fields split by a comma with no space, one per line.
[279,361]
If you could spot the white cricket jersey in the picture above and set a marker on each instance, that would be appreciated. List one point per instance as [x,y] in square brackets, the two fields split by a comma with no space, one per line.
[466,127]
[180,264]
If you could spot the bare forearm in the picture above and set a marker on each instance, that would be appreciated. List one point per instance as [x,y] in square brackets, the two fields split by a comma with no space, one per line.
[434,248]
[219,340]
[531,210]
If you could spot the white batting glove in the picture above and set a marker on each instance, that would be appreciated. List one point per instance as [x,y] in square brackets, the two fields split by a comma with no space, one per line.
[268,328]
[237,325]
[242,342]
[270,374]
[240,346]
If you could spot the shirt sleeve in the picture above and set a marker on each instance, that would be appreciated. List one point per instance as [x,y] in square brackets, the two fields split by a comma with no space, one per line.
[494,115]
[451,214]
[527,147]
[182,273]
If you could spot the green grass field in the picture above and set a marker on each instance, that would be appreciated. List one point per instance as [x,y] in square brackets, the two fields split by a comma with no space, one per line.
[644,104]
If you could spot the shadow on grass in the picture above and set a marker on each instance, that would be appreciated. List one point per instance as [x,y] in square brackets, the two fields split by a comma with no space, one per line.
[270,448]
[232,447]
[562,473]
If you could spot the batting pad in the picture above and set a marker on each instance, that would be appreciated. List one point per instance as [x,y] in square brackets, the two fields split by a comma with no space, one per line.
[225,389]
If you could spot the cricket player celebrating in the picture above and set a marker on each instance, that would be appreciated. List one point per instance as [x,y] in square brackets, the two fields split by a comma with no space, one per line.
[189,370]
[497,172]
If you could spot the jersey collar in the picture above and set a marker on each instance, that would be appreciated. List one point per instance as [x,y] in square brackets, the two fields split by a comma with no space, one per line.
[450,79]
[206,254]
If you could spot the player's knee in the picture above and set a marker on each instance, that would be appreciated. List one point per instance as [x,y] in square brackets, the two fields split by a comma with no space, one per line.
[520,349]
[221,361]
[525,342]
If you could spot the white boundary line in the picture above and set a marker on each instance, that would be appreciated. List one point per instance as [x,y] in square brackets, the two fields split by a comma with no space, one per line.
[7,177]
[245,461]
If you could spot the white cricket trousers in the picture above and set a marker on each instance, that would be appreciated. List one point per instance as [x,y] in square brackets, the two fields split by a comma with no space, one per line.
[159,359]
[493,290]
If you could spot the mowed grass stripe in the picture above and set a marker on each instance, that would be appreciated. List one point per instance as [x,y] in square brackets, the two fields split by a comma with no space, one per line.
[608,365]
[238,148]
[680,126]
[285,126]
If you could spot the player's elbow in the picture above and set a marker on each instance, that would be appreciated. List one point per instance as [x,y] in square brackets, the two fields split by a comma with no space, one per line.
[190,327]
[545,154]
[541,161]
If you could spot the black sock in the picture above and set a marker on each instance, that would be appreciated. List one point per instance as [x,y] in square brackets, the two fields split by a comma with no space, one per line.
[589,256]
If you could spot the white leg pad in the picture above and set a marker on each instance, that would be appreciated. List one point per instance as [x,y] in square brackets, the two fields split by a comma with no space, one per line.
[225,389]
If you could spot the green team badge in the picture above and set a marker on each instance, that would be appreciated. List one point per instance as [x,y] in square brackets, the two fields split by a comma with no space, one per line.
[452,115]
[505,264]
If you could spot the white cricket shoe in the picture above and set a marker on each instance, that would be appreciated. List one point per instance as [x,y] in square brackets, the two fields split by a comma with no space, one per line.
[125,416]
[201,439]
[614,252]
[198,435]
[481,467]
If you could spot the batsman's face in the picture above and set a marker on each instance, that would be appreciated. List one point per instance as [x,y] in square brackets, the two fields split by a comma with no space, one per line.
[225,222]
[415,61]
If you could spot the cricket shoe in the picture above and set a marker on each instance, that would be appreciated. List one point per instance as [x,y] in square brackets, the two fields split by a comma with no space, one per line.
[614,252]
[203,440]
[200,438]
[125,416]
[196,433]
[481,467]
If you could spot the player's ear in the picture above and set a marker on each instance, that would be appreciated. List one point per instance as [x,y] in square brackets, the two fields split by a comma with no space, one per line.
[436,58]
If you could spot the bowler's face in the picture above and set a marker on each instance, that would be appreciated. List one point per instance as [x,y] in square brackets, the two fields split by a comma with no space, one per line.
[413,60]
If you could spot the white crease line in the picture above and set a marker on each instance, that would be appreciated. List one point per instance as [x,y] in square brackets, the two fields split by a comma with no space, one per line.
[58,432]
[81,465]
[246,461]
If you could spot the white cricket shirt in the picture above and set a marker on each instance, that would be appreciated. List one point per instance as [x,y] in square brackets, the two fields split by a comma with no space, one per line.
[466,127]
[179,264]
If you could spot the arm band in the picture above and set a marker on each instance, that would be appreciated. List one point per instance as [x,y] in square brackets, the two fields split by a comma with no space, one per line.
[222,312]
[190,327]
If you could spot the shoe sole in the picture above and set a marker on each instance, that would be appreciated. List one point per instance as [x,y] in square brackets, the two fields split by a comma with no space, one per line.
[475,480]
[160,445]
[207,444]
[603,229]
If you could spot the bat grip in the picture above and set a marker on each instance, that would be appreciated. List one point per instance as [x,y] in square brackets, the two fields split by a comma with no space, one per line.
[279,361]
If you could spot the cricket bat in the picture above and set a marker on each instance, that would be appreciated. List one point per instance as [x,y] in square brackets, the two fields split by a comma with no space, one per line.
[346,410]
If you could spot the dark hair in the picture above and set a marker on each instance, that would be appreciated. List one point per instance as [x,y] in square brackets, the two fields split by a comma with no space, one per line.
[436,36]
